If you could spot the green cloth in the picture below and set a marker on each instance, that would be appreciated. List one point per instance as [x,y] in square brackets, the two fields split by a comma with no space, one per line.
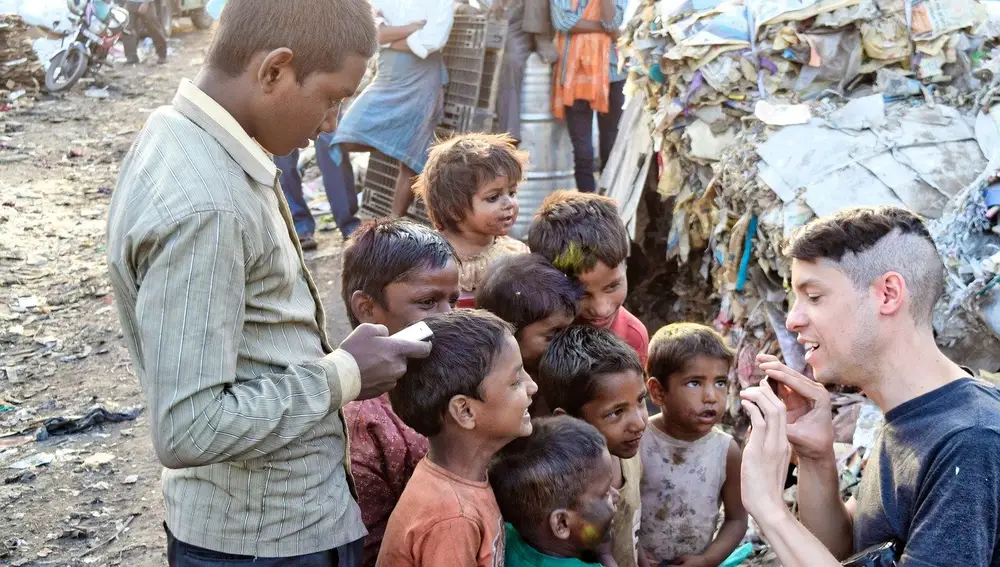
[520,554]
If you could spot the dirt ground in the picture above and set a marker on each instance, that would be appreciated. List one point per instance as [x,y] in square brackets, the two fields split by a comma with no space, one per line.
[97,501]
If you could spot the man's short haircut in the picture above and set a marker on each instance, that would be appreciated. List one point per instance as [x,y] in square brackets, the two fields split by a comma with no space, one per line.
[677,344]
[466,343]
[867,242]
[548,470]
[387,251]
[320,33]
[570,372]
[577,230]
[458,167]
[526,288]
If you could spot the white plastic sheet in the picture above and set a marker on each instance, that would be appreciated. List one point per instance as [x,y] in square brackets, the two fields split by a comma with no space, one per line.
[916,158]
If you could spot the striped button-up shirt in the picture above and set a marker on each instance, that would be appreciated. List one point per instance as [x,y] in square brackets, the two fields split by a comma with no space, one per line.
[565,16]
[226,330]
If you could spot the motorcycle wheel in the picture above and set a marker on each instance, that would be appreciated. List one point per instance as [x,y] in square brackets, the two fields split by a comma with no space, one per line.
[66,68]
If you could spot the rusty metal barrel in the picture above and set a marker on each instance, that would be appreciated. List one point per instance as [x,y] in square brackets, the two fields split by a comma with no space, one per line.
[547,142]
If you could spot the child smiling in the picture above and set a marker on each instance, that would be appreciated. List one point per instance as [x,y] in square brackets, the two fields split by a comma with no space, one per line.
[470,397]
[582,235]
[593,375]
[470,188]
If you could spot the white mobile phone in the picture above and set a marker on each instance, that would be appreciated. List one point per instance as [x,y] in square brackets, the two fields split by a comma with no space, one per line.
[418,331]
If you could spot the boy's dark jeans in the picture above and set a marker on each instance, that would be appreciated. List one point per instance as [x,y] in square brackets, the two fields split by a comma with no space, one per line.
[338,182]
[180,554]
[580,121]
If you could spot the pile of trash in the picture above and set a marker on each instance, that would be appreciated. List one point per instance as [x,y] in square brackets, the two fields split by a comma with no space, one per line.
[20,70]
[767,113]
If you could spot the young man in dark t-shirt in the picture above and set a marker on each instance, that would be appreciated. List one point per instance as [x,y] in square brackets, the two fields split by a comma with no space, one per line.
[865,283]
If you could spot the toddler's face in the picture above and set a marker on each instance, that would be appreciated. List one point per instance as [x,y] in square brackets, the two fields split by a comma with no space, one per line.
[494,209]
[591,519]
[695,399]
[619,412]
[535,338]
[425,292]
[506,391]
[605,289]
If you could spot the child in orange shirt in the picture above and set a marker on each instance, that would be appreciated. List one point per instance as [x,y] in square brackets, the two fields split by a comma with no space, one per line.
[470,397]
[582,235]
[470,188]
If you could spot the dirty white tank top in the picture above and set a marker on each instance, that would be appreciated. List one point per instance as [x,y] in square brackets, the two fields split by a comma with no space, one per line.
[681,493]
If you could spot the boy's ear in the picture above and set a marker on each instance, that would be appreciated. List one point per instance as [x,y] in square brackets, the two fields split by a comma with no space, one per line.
[559,523]
[276,63]
[363,306]
[656,392]
[460,410]
[559,411]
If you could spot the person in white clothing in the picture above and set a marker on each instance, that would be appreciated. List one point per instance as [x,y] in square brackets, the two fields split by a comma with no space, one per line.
[399,111]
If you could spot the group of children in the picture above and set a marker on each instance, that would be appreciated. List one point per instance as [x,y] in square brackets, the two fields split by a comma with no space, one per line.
[522,439]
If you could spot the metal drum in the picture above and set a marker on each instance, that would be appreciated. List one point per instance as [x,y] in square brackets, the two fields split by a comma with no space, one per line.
[547,142]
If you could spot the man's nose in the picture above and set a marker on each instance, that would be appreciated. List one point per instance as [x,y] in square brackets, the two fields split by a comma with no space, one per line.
[796,319]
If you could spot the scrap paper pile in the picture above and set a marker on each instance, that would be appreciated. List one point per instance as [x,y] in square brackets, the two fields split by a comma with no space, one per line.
[766,113]
[20,70]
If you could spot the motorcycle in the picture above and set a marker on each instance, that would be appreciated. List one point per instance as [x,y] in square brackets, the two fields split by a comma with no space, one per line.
[99,25]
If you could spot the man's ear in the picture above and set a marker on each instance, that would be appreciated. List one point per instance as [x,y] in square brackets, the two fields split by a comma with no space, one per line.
[891,291]
[363,307]
[461,411]
[559,523]
[559,411]
[273,69]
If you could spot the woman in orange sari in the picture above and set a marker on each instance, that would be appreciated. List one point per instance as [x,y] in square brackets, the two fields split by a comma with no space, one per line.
[588,79]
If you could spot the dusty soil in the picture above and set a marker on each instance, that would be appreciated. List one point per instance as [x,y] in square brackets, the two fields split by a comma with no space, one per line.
[98,501]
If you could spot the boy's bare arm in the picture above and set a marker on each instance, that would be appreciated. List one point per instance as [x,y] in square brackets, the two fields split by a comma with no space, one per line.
[735,525]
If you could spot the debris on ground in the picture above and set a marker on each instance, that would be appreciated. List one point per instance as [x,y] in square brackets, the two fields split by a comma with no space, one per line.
[20,70]
[67,425]
[61,350]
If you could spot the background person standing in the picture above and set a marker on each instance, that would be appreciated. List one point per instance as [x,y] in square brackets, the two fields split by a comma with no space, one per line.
[143,16]
[398,113]
[587,79]
[338,183]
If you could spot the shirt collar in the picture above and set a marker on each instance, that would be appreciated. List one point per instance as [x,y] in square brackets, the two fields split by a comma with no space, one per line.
[201,109]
